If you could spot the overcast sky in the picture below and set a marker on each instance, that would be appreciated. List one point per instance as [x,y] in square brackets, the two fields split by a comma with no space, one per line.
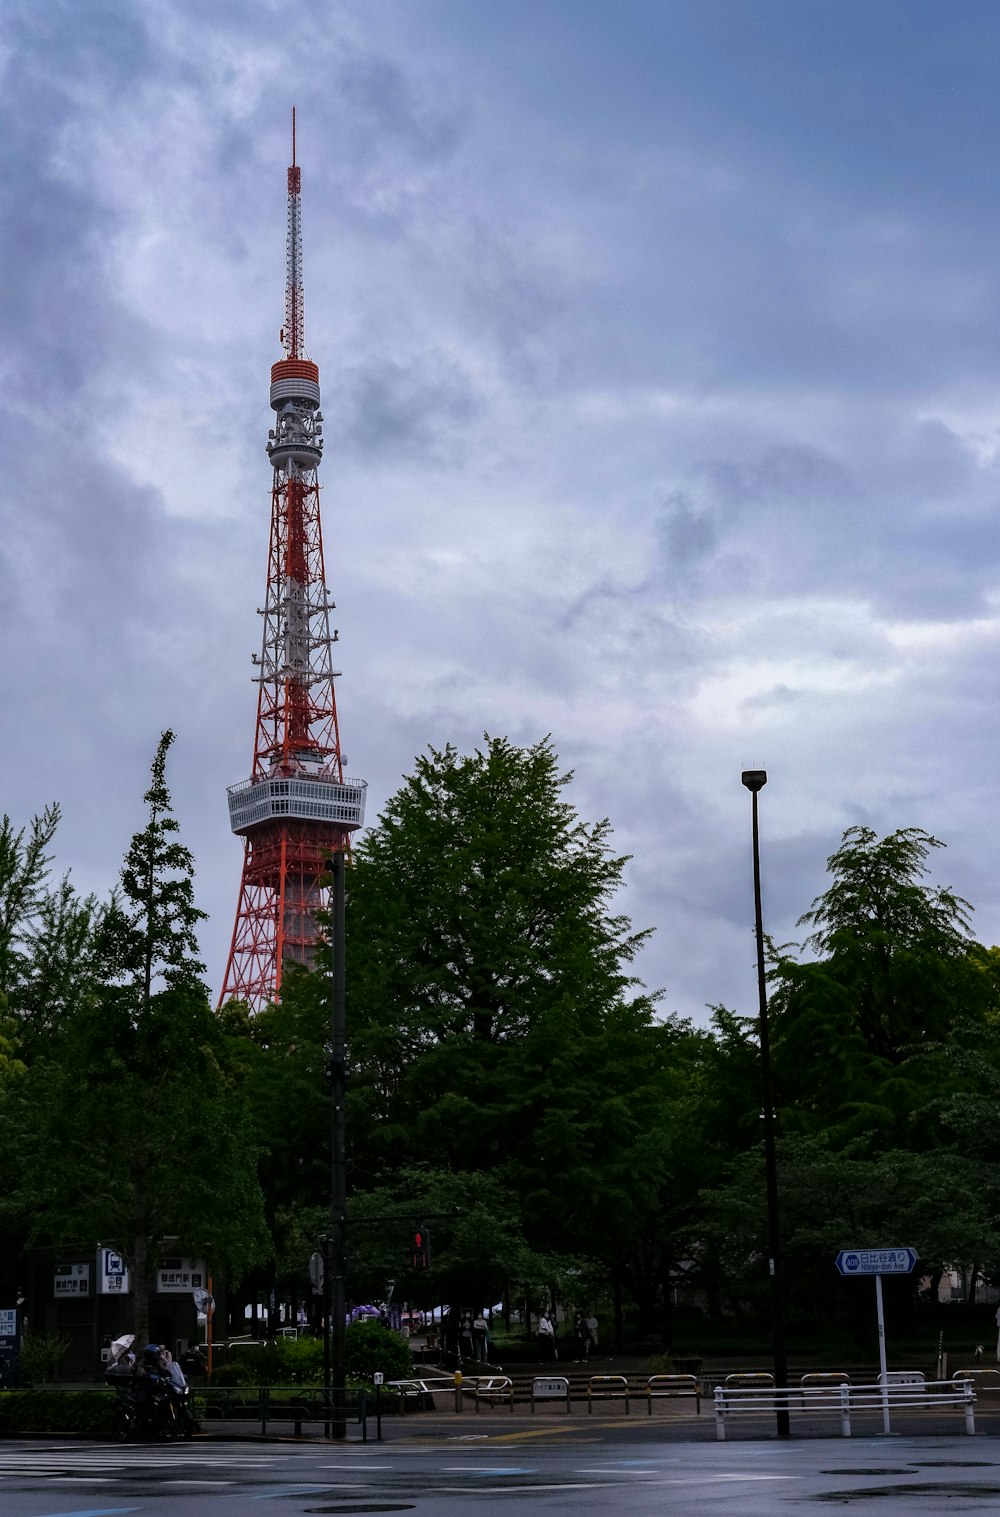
[660,352]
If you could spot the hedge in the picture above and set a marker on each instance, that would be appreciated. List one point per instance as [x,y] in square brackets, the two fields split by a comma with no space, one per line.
[90,1413]
[48,1411]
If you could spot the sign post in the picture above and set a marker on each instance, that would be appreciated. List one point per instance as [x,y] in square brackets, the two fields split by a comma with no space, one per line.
[878,1262]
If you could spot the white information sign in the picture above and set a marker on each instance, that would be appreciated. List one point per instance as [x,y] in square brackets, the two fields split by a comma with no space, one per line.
[112,1273]
[876,1261]
[180,1276]
[71,1280]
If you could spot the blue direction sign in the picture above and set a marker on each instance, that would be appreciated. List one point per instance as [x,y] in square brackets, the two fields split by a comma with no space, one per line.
[876,1261]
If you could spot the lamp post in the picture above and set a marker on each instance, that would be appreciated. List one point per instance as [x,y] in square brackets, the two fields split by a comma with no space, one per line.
[336,1263]
[755,780]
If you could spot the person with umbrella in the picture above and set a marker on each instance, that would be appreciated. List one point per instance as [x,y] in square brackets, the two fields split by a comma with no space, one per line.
[121,1360]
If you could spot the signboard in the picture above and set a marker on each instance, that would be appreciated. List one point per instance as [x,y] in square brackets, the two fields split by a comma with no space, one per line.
[10,1343]
[180,1276]
[112,1273]
[554,1385]
[71,1280]
[876,1261]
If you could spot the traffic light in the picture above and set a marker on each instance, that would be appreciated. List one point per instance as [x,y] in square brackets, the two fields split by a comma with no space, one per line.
[420,1248]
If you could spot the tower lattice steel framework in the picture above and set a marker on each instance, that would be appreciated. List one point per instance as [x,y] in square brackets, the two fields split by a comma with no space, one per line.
[296,809]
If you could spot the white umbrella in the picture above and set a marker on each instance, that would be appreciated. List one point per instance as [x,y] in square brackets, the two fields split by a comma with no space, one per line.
[119,1347]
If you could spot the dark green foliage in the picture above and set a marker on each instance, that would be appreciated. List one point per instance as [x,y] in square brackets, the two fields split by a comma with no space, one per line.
[49,960]
[299,1361]
[896,947]
[479,941]
[369,1347]
[150,931]
[48,1411]
[510,1084]
[832,1198]
[137,1088]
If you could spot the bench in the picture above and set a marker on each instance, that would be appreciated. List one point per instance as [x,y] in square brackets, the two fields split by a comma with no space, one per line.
[842,1400]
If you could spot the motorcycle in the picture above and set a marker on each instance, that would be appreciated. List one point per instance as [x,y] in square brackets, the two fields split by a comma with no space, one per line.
[177,1414]
[163,1410]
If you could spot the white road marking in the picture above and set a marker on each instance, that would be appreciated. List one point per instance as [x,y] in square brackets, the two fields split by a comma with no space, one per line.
[515,1490]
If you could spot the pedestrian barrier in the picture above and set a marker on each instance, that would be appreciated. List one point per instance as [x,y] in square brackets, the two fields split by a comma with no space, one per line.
[549,1388]
[661,1387]
[419,1391]
[606,1388]
[493,1388]
[983,1380]
[293,1403]
[842,1400]
[819,1381]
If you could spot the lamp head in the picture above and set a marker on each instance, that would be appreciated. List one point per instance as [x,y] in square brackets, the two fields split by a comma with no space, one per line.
[754,779]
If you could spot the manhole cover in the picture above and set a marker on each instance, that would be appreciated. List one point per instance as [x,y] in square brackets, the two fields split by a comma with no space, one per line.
[932,1491]
[880,1471]
[955,1464]
[367,1506]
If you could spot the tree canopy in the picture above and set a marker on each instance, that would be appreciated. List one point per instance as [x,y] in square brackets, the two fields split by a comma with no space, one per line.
[511,1083]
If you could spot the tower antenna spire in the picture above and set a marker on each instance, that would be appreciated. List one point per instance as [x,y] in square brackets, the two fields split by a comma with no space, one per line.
[294,331]
[296,810]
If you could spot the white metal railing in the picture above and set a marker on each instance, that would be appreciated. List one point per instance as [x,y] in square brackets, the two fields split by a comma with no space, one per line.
[844,1401]
[302,798]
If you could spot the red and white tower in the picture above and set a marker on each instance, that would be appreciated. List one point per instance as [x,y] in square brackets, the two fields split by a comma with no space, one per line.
[296,809]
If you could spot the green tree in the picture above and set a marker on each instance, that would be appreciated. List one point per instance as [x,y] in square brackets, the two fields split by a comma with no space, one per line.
[130,1124]
[48,953]
[151,932]
[478,903]
[897,947]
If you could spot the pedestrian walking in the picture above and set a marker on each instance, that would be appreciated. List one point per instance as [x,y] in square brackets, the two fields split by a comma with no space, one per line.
[582,1332]
[547,1338]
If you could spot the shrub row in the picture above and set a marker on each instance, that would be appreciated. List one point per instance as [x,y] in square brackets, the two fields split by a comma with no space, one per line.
[48,1411]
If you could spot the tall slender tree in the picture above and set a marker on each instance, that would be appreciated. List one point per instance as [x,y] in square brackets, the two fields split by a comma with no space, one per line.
[139,1090]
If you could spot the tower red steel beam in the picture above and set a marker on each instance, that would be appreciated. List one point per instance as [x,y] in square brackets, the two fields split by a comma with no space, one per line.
[296,809]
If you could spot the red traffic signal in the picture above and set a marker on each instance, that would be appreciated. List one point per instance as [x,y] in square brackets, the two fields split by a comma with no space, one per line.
[420,1248]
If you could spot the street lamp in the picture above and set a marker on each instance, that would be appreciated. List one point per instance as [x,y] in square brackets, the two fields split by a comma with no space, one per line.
[336,1262]
[755,780]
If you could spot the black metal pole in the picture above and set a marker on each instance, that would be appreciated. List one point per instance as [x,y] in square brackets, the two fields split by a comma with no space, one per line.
[325,1299]
[755,780]
[338,1155]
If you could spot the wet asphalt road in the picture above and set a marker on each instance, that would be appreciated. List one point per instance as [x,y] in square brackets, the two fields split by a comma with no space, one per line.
[591,1468]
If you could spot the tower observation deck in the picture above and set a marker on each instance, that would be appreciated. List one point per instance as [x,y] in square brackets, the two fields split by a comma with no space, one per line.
[296,809]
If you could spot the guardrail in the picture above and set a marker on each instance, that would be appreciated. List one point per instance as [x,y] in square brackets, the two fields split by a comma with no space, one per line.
[842,1400]
[286,1403]
[540,1390]
[607,1388]
[667,1387]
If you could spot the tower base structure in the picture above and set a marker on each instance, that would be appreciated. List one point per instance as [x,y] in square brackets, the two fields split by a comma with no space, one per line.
[285,884]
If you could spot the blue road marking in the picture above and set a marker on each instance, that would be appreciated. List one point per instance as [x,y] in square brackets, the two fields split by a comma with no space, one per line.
[96,1511]
[293,1490]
